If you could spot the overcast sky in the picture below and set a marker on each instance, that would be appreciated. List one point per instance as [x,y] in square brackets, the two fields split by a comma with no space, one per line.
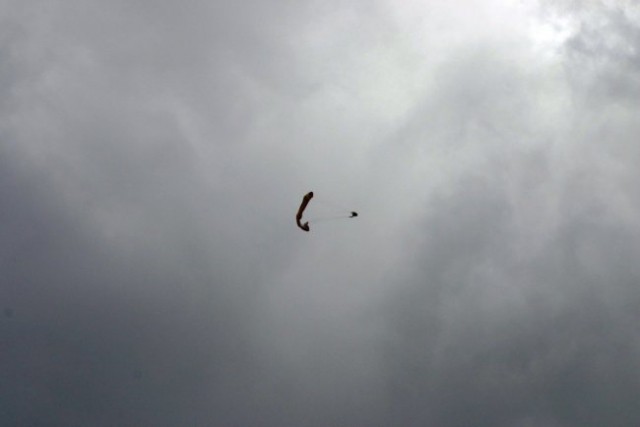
[152,158]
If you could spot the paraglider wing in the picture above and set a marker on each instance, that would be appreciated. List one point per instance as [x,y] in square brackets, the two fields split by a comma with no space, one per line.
[305,201]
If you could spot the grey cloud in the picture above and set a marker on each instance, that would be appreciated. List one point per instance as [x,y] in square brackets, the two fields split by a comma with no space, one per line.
[489,335]
[516,306]
[604,52]
[152,157]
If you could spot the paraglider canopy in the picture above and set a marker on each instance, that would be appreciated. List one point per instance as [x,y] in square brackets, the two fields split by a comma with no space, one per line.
[305,202]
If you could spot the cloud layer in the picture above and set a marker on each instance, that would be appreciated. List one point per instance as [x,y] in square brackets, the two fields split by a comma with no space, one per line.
[152,156]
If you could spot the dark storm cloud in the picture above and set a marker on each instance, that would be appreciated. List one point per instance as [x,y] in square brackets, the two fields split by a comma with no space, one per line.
[102,331]
[119,309]
[152,157]
[492,332]
[138,233]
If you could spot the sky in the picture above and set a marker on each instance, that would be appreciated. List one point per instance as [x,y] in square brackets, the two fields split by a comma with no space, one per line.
[153,155]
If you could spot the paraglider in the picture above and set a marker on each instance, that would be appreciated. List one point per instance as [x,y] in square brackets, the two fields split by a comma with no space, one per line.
[305,202]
